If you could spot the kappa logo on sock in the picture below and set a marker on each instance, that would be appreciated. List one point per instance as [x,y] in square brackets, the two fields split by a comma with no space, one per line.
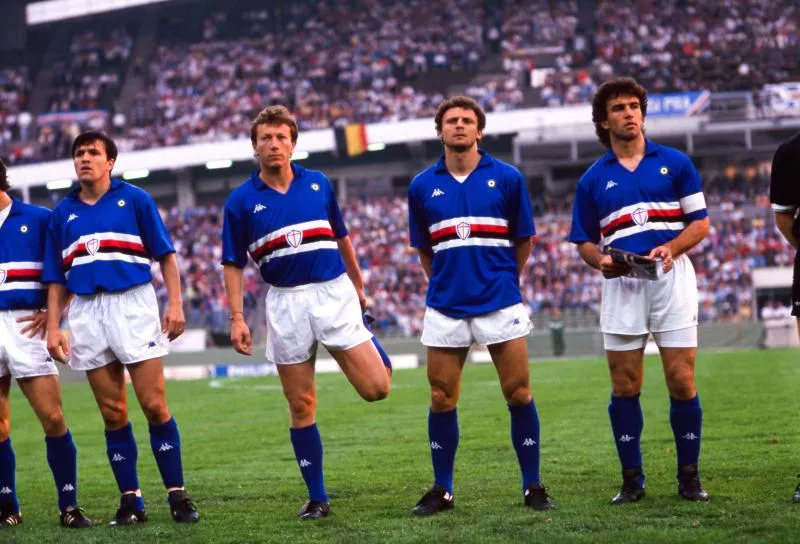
[305,463]
[117,458]
[68,487]
[436,446]
[165,447]
[690,436]
[6,491]
[529,442]
[626,438]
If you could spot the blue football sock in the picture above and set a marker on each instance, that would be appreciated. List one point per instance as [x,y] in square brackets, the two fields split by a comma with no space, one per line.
[686,418]
[62,456]
[384,356]
[307,445]
[122,453]
[8,470]
[525,437]
[627,423]
[443,436]
[165,441]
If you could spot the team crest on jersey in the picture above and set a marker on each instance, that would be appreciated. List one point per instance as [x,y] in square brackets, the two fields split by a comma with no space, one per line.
[664,170]
[92,246]
[463,230]
[2,276]
[491,183]
[294,238]
[23,229]
[315,186]
[640,216]
[120,203]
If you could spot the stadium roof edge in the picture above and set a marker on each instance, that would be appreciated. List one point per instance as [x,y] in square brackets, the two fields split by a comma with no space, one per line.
[57,10]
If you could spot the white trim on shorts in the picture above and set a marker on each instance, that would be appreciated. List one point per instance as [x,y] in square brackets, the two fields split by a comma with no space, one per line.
[677,338]
[441,331]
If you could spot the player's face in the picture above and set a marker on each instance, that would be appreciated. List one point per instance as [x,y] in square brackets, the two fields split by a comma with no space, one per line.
[91,162]
[460,129]
[625,118]
[274,146]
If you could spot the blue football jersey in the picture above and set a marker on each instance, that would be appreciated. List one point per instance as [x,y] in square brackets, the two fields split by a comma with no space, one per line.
[292,237]
[22,239]
[105,246]
[640,210]
[472,229]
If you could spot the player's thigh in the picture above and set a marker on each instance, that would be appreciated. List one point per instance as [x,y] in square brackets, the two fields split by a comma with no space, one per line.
[626,368]
[89,346]
[133,325]
[336,317]
[442,331]
[674,299]
[445,366]
[108,386]
[624,306]
[44,396]
[510,358]
[290,338]
[500,326]
[5,406]
[364,370]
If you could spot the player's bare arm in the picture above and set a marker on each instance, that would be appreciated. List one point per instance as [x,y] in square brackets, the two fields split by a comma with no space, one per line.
[57,343]
[592,256]
[784,222]
[523,251]
[234,288]
[37,324]
[174,322]
[353,270]
[426,260]
[692,235]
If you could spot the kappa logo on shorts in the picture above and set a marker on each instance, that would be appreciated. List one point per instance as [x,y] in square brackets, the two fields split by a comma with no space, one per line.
[92,246]
[294,238]
[463,230]
[640,216]
[2,276]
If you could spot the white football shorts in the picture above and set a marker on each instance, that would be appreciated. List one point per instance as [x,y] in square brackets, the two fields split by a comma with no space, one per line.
[123,326]
[633,306]
[441,331]
[20,356]
[299,317]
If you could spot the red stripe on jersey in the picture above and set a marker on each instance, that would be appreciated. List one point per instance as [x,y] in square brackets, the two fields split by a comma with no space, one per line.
[474,227]
[650,214]
[31,273]
[119,244]
[281,240]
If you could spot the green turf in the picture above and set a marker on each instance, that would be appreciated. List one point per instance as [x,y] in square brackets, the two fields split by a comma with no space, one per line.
[241,471]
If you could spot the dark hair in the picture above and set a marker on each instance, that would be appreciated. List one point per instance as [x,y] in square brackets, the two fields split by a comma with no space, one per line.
[619,86]
[4,186]
[464,102]
[91,136]
[274,115]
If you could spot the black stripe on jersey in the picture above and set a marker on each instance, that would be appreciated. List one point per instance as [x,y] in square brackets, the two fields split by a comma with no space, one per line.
[626,224]
[285,244]
[125,251]
[26,277]
[455,236]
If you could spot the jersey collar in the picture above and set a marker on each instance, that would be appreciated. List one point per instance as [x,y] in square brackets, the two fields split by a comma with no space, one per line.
[486,160]
[258,185]
[649,149]
[115,184]
[16,207]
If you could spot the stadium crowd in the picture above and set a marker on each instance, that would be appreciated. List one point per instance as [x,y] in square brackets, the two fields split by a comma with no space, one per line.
[555,275]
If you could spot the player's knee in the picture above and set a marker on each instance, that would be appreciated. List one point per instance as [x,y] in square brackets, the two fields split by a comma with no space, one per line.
[518,395]
[302,406]
[155,410]
[114,412]
[625,383]
[443,400]
[53,422]
[680,382]
[376,391]
[5,429]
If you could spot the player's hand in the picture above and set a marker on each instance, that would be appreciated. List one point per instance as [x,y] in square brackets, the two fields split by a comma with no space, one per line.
[37,325]
[612,269]
[240,337]
[173,323]
[362,299]
[665,254]
[58,346]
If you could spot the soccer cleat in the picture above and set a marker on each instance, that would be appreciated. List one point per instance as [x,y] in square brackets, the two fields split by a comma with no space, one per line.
[434,501]
[796,496]
[74,518]
[182,508]
[314,510]
[128,512]
[536,497]
[9,517]
[689,486]
[632,490]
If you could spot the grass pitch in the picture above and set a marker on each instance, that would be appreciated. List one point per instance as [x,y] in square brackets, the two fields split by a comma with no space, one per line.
[240,468]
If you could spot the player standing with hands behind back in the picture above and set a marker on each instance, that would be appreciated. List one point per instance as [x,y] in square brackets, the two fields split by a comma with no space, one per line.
[646,199]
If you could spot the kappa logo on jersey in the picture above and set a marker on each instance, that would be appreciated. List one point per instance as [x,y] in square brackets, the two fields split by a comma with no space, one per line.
[463,230]
[259,208]
[165,447]
[690,436]
[71,217]
[117,458]
[68,487]
[611,184]
[626,438]
[436,446]
[92,246]
[640,216]
[305,463]
[2,276]
[437,192]
[529,442]
[294,238]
